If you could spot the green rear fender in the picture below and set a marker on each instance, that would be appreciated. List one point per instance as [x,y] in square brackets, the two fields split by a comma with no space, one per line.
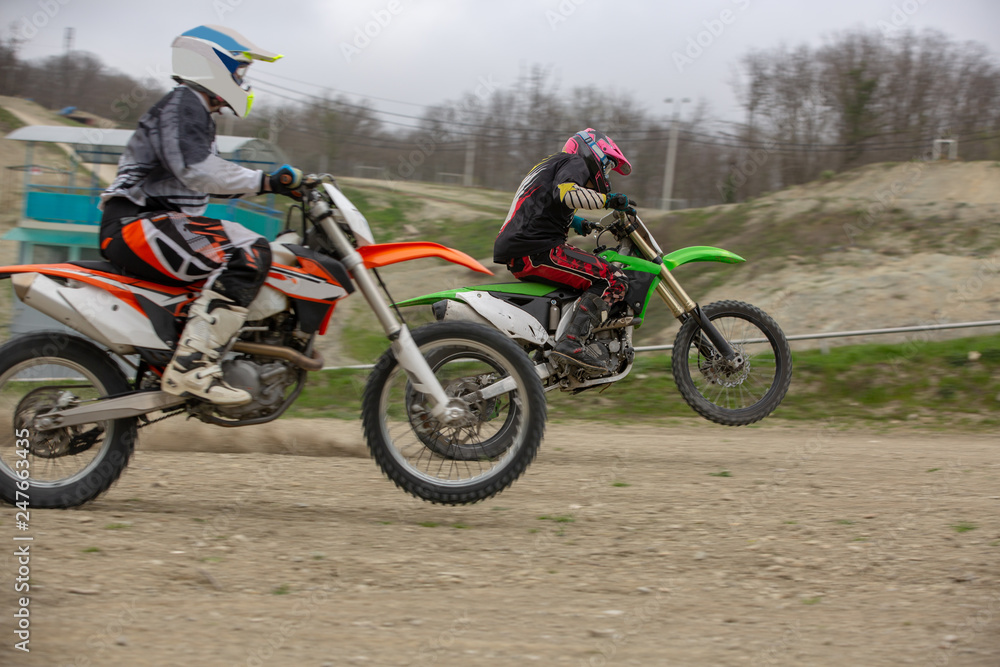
[525,288]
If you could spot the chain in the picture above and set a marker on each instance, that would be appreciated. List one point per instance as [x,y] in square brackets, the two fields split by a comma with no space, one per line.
[167,416]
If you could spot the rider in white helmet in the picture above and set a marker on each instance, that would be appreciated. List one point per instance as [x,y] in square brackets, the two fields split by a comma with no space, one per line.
[152,226]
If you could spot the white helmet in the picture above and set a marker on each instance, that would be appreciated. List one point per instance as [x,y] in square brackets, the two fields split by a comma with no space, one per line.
[215,59]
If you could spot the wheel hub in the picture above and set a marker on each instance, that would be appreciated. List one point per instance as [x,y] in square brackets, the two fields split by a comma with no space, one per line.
[53,442]
[726,373]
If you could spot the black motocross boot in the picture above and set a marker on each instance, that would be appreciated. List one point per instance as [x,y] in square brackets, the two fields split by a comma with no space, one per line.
[588,312]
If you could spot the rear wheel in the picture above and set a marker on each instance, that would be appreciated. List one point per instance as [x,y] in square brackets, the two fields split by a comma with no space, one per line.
[63,467]
[466,461]
[740,392]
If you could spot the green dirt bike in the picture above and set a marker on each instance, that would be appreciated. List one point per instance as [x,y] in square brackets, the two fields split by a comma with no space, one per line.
[730,360]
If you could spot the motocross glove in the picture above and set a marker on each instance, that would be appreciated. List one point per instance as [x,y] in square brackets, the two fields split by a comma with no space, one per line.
[286,181]
[583,227]
[617,201]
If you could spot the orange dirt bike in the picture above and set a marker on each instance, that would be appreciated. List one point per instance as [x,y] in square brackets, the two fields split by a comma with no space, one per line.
[71,405]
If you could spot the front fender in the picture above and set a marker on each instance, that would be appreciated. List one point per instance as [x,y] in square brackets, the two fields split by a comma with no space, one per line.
[700,253]
[383,254]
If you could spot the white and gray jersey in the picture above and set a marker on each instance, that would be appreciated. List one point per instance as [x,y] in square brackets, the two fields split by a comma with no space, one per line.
[171,162]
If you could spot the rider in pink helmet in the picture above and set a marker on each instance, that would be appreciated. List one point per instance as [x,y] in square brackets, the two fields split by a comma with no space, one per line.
[533,240]
[601,154]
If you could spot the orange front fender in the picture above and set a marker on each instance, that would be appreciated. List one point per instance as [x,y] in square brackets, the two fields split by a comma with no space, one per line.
[383,254]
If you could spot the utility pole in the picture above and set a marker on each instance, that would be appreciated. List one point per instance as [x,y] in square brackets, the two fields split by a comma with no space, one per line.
[668,172]
[470,163]
[63,95]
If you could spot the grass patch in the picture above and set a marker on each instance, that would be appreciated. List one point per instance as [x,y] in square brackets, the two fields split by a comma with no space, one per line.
[461,526]
[384,212]
[565,518]
[91,550]
[283,589]
[964,527]
[815,600]
[429,524]
[620,484]
[118,526]
[721,473]
[8,121]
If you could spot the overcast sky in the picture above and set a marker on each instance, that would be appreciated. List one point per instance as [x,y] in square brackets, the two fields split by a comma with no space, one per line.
[421,52]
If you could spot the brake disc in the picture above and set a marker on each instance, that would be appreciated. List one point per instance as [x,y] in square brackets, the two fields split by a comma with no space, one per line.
[54,443]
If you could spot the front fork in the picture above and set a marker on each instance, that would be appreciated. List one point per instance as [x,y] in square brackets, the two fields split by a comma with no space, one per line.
[682,306]
[403,346]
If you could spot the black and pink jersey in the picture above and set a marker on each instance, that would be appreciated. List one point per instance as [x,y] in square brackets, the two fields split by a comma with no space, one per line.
[542,210]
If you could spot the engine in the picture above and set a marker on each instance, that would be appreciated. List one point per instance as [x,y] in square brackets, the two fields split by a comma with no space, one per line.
[613,344]
[266,380]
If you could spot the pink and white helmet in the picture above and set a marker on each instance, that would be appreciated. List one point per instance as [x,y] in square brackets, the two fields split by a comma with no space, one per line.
[601,153]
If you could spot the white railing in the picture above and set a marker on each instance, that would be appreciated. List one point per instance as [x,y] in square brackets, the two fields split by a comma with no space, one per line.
[815,336]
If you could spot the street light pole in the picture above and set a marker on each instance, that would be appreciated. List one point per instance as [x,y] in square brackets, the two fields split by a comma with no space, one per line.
[668,173]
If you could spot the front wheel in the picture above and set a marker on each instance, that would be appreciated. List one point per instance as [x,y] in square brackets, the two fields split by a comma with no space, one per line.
[738,392]
[62,467]
[471,459]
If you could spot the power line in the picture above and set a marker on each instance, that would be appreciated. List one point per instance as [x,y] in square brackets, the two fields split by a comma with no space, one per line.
[648,136]
[342,92]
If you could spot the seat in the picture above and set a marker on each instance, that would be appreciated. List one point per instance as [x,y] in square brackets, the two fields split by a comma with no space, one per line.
[97,265]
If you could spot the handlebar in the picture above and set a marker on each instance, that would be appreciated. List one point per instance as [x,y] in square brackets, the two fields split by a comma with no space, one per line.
[620,225]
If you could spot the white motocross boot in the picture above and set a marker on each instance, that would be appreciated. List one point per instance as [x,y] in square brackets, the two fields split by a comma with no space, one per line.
[212,321]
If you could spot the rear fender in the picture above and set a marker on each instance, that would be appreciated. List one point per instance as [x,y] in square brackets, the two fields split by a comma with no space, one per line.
[91,310]
[523,288]
[507,318]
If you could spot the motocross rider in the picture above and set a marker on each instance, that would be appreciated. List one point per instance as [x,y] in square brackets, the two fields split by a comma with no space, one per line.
[533,240]
[152,225]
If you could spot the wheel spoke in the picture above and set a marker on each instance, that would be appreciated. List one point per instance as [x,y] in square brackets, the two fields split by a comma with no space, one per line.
[32,388]
[462,453]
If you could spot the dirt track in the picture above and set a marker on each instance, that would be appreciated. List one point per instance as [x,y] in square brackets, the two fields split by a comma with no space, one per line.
[823,546]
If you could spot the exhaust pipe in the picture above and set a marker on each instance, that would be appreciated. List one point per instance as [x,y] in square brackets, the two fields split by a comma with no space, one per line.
[311,363]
